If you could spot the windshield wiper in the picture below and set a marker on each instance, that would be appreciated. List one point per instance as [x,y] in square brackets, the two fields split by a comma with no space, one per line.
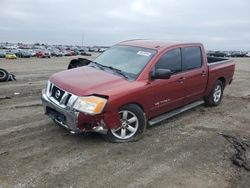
[118,71]
[98,65]
[111,68]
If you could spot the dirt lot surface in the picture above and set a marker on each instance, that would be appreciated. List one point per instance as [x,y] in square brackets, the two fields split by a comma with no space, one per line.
[185,151]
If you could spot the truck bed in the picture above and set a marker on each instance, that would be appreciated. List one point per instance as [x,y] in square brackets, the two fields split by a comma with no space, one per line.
[216,60]
[219,68]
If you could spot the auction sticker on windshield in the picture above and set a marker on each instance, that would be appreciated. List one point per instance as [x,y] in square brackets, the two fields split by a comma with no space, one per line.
[144,53]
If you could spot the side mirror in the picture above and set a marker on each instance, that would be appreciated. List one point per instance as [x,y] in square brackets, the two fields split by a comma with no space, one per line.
[161,74]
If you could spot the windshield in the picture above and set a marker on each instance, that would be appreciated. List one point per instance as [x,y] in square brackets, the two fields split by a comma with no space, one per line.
[129,60]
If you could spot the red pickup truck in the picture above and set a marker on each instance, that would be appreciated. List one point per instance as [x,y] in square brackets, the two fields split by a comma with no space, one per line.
[133,84]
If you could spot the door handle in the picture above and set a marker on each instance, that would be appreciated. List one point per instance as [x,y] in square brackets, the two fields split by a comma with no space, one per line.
[181,80]
[203,73]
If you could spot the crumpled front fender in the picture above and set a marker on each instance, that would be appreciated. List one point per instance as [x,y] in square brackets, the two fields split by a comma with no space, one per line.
[112,120]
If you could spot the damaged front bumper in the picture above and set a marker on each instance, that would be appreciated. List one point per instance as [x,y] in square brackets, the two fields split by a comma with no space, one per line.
[69,118]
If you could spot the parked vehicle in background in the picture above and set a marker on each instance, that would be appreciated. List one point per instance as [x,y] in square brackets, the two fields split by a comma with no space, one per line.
[56,53]
[43,54]
[10,55]
[217,54]
[66,53]
[238,54]
[32,53]
[93,49]
[135,83]
[76,52]
[2,53]
[227,53]
[71,53]
[103,49]
[23,54]
[85,54]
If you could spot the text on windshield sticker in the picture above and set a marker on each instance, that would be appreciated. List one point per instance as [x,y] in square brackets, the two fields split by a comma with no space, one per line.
[144,53]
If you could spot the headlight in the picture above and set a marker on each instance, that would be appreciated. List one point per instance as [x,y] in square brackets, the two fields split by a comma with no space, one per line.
[92,104]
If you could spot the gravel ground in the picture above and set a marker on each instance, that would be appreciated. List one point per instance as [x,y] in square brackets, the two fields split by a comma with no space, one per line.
[185,151]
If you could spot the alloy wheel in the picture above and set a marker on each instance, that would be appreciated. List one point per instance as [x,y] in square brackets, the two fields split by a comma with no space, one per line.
[217,93]
[129,125]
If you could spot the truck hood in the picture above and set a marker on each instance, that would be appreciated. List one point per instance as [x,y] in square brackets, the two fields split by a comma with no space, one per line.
[86,81]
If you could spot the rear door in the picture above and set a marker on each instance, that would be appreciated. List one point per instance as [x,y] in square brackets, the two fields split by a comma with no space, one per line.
[167,94]
[196,73]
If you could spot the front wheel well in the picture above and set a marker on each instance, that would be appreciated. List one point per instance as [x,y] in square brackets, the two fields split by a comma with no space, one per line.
[132,124]
[134,103]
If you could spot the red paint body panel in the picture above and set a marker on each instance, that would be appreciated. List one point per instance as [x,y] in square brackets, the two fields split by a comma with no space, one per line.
[86,81]
[153,96]
[220,71]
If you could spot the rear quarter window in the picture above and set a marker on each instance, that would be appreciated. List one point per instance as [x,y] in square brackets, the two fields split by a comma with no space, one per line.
[191,58]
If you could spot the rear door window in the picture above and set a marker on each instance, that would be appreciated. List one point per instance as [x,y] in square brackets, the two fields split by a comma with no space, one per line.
[191,58]
[170,60]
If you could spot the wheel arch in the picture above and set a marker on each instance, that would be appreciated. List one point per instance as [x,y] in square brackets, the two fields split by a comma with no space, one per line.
[140,129]
[139,105]
[223,80]
[134,103]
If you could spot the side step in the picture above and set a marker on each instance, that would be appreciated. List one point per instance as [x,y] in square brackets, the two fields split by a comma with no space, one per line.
[174,112]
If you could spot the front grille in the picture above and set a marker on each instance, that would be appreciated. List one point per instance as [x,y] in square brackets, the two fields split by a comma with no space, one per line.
[57,93]
[59,96]
[67,99]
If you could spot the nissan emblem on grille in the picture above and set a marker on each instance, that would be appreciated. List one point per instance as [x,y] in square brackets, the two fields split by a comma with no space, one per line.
[58,94]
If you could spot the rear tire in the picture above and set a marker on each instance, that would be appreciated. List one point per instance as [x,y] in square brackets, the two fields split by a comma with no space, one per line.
[4,75]
[133,123]
[215,96]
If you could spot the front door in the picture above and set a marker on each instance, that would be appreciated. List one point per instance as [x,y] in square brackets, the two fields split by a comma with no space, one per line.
[167,94]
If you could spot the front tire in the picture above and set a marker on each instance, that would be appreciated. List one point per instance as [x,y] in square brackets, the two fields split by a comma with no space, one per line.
[215,96]
[133,123]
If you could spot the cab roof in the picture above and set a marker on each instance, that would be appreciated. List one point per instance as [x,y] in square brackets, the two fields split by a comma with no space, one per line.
[154,44]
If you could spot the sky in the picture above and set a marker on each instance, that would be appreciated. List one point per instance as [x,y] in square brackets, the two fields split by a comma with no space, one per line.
[218,24]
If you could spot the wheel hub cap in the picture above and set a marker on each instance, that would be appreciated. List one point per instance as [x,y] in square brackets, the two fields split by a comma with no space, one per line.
[124,124]
[217,93]
[129,125]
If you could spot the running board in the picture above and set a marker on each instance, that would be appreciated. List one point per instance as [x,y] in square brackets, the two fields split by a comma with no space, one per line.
[172,113]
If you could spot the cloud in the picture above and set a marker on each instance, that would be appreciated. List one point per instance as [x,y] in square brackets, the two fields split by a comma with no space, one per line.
[144,7]
[220,24]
